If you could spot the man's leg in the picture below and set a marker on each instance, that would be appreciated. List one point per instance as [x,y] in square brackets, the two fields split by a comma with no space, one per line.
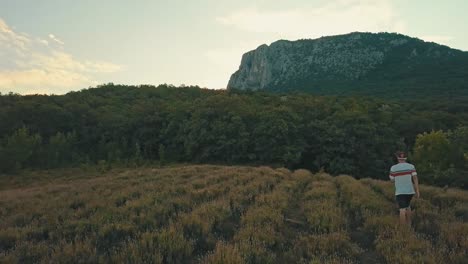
[402,216]
[408,209]
[408,215]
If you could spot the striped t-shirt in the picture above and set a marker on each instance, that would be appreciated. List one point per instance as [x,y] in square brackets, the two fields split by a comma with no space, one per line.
[402,173]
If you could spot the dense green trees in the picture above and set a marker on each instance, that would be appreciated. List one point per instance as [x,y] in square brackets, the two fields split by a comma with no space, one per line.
[442,157]
[18,149]
[137,124]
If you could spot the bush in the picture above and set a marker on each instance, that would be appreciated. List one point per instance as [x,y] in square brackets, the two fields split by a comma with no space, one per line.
[173,246]
[112,236]
[410,248]
[325,246]
[224,254]
[8,238]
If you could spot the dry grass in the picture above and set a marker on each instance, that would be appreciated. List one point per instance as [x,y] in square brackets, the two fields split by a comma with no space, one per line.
[219,214]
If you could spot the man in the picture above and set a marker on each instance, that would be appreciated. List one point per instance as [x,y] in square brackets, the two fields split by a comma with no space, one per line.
[406,183]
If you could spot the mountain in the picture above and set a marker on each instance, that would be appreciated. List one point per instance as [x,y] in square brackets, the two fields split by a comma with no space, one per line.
[376,64]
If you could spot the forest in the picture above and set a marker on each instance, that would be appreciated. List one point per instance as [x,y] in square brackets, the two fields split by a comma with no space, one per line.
[135,125]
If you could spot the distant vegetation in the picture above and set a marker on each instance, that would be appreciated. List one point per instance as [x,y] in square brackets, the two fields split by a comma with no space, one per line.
[133,125]
[220,214]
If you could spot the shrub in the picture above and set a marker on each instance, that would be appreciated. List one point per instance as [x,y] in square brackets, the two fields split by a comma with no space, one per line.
[326,246]
[461,212]
[323,217]
[31,252]
[173,247]
[77,204]
[224,254]
[8,238]
[121,201]
[76,252]
[410,248]
[254,251]
[426,219]
[455,236]
[142,250]
[113,235]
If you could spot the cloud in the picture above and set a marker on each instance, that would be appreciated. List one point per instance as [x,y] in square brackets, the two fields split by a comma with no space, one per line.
[43,41]
[42,80]
[31,65]
[17,42]
[334,17]
[331,18]
[102,67]
[54,38]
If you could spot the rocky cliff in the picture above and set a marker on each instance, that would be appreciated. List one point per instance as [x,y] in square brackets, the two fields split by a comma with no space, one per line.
[355,62]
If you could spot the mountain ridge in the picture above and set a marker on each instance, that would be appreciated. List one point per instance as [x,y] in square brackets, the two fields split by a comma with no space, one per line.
[356,63]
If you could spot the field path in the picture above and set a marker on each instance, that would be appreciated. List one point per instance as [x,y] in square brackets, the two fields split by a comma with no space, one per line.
[363,238]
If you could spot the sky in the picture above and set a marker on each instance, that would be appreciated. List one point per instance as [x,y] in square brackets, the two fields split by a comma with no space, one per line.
[57,46]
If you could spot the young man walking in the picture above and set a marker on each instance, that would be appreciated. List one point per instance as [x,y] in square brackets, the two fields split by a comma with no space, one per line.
[406,185]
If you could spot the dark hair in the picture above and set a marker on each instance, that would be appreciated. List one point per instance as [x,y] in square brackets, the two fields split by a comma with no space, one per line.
[400,155]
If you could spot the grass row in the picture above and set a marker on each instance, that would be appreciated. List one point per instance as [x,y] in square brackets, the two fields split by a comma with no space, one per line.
[99,218]
[396,243]
[439,217]
[215,214]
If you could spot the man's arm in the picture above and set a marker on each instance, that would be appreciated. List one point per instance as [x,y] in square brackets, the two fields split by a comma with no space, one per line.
[416,184]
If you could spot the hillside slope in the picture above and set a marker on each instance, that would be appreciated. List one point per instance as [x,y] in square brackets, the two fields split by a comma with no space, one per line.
[216,214]
[383,64]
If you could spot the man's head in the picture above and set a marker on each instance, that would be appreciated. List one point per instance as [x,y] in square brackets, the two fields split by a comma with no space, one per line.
[401,156]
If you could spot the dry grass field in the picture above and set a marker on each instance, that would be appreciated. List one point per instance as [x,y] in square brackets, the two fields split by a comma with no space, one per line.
[221,214]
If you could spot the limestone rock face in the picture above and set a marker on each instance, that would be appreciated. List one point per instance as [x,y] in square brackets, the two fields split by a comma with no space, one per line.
[349,58]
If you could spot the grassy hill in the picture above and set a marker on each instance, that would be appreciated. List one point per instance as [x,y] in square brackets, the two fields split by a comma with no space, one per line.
[220,214]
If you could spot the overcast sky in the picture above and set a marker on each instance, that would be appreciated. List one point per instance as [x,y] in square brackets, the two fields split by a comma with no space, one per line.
[55,46]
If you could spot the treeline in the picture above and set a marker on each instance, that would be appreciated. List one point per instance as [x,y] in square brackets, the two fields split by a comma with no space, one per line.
[117,124]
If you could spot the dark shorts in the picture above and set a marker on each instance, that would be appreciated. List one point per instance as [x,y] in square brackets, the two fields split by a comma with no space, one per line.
[404,200]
